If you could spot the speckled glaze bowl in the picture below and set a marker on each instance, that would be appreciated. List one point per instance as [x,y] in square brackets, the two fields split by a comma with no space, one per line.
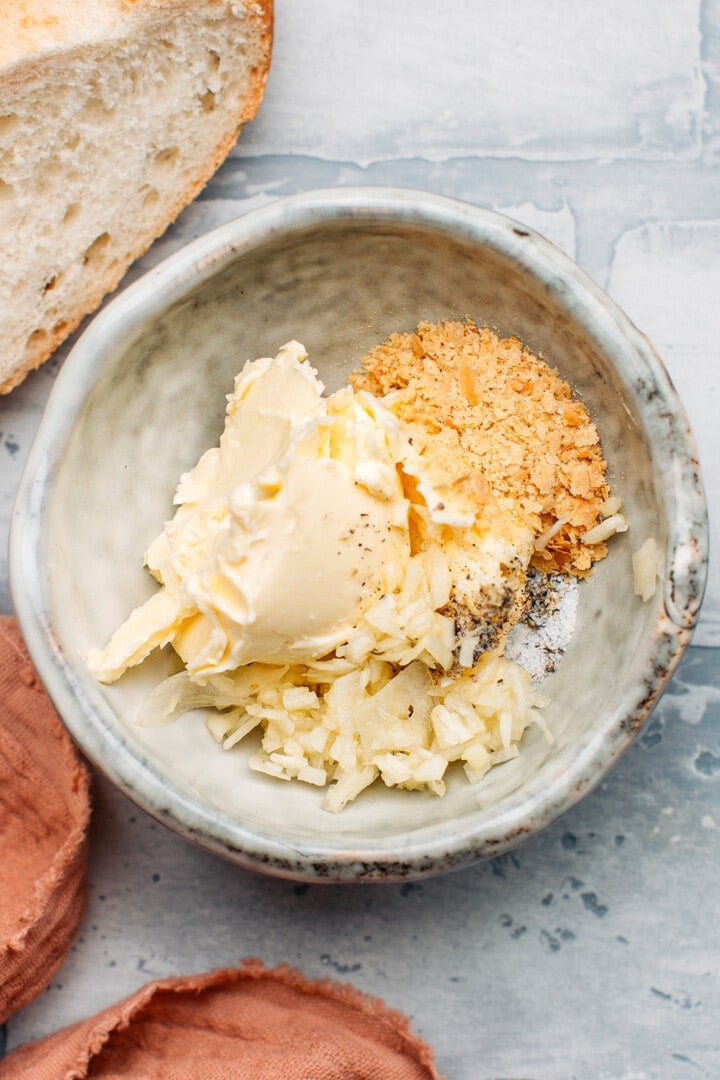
[143,394]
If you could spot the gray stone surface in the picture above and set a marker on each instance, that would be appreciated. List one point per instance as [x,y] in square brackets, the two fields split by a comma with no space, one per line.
[593,950]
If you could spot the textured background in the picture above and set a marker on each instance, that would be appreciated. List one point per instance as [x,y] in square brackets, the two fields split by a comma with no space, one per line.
[593,950]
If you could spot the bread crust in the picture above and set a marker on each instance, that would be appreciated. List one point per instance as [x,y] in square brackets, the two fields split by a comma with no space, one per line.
[35,356]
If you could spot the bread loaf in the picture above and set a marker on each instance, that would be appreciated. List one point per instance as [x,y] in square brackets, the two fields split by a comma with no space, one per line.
[113,115]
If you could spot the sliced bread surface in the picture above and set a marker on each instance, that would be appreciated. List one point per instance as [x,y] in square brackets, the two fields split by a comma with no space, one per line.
[113,115]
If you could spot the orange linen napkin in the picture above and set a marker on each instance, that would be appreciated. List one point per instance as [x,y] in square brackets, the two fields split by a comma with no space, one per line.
[44,813]
[233,1024]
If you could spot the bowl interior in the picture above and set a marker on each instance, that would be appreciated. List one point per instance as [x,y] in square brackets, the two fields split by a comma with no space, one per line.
[338,286]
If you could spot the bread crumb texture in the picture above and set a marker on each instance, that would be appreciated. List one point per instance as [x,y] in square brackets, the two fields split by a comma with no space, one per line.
[497,417]
[111,122]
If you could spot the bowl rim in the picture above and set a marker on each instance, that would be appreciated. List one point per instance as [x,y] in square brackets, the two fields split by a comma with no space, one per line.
[643,376]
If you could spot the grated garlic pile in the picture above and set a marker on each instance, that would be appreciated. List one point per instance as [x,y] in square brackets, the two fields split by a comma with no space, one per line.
[354,717]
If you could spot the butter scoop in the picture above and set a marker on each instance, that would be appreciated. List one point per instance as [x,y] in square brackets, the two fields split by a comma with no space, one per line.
[284,535]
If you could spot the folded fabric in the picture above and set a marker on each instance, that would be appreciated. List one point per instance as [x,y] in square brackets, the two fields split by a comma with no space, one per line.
[44,813]
[237,1024]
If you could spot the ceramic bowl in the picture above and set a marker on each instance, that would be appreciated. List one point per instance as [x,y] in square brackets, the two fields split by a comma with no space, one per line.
[143,394]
